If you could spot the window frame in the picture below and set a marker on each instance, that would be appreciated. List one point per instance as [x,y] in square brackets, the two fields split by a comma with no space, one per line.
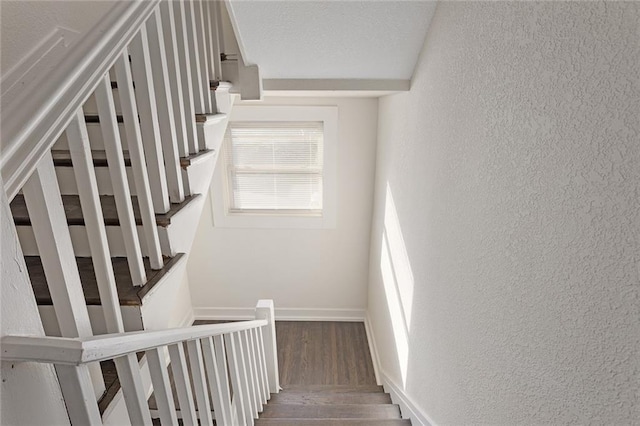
[224,218]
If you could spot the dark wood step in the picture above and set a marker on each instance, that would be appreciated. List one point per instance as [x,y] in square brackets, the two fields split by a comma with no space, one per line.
[62,158]
[329,398]
[213,84]
[128,294]
[95,118]
[73,210]
[332,388]
[333,422]
[343,411]
[111,382]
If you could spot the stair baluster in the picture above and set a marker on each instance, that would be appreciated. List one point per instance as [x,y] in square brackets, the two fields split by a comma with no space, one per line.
[204,60]
[199,382]
[164,107]
[211,365]
[224,379]
[194,53]
[186,74]
[258,366]
[173,64]
[183,384]
[44,203]
[263,366]
[119,181]
[252,373]
[161,386]
[136,154]
[150,128]
[238,381]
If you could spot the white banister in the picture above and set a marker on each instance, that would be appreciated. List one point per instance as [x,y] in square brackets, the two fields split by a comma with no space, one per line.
[161,386]
[259,366]
[49,223]
[183,385]
[119,181]
[244,377]
[251,373]
[75,383]
[199,382]
[33,122]
[164,106]
[150,128]
[204,55]
[215,64]
[185,72]
[94,220]
[265,311]
[235,360]
[263,365]
[194,52]
[136,155]
[60,350]
[173,63]
[221,359]
[135,396]
[220,399]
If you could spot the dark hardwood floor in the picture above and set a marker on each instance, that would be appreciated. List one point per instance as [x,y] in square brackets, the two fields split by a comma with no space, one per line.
[323,353]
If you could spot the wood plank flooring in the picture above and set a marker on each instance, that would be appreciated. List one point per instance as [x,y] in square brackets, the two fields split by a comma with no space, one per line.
[323,353]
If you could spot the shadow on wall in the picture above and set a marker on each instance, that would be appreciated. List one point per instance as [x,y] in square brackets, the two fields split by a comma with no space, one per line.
[398,281]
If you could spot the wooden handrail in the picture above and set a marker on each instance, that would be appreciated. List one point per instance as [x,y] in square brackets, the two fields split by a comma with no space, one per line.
[61,350]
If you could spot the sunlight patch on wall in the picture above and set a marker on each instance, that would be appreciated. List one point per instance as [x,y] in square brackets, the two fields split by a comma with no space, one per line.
[398,281]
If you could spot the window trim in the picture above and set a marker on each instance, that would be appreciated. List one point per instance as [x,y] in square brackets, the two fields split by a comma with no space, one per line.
[224,218]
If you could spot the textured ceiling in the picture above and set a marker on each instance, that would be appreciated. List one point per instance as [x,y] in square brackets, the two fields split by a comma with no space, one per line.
[332,39]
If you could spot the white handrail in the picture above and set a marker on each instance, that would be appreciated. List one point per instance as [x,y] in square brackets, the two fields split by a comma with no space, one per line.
[60,350]
[33,121]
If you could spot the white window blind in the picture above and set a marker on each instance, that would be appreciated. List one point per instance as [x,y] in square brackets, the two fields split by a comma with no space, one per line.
[274,167]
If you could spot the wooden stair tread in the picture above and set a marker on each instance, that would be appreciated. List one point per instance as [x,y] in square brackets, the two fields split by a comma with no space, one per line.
[330,398]
[73,210]
[343,411]
[332,422]
[213,84]
[128,294]
[62,158]
[333,388]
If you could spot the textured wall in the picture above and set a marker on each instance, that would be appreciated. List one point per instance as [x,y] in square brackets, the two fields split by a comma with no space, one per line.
[514,165]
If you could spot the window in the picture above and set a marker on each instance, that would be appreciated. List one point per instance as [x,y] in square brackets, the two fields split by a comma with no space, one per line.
[274,167]
[277,168]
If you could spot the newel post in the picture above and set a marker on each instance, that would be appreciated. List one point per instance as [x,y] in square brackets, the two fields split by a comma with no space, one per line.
[265,311]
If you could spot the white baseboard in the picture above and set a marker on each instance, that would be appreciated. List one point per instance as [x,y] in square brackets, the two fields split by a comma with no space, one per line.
[373,349]
[408,407]
[282,314]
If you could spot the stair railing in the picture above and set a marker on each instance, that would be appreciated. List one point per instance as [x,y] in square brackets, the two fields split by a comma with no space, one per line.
[157,55]
[234,365]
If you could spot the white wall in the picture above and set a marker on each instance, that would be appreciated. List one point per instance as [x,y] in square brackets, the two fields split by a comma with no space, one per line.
[298,268]
[24,384]
[25,24]
[514,166]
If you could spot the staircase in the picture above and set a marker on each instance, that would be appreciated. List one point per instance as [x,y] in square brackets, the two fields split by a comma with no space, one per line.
[331,405]
[105,166]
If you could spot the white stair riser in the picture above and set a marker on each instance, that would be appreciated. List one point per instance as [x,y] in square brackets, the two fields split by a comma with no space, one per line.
[68,185]
[131,316]
[198,176]
[95,138]
[80,241]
